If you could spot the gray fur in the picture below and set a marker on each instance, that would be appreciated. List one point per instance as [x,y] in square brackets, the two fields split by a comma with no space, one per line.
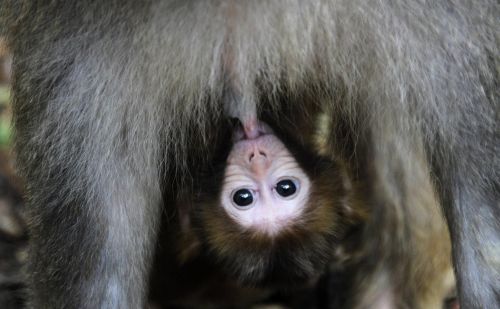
[104,89]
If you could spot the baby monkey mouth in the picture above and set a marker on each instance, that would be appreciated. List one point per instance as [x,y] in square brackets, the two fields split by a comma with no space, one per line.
[252,129]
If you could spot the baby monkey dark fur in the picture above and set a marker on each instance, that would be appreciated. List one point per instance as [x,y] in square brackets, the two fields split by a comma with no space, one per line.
[314,254]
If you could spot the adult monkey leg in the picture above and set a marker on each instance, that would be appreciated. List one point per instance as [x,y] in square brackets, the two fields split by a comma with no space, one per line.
[443,92]
[465,158]
[101,111]
[463,147]
[93,207]
[469,184]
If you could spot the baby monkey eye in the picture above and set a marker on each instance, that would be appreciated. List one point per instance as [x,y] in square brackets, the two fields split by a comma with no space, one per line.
[286,187]
[243,197]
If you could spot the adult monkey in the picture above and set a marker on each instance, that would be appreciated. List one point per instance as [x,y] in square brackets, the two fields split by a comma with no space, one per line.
[109,95]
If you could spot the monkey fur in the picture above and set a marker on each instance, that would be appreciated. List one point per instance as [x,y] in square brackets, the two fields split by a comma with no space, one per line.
[220,264]
[116,101]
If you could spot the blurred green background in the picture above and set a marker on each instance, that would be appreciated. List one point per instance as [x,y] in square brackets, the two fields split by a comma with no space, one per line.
[5,110]
[5,117]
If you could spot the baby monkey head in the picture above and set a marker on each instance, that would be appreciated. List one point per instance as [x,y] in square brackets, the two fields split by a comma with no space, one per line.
[277,216]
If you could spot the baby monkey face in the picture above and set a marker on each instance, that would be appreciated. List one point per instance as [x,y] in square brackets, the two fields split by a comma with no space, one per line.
[264,187]
[273,222]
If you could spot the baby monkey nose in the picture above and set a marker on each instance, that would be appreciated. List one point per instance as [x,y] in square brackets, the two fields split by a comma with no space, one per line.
[257,154]
[258,161]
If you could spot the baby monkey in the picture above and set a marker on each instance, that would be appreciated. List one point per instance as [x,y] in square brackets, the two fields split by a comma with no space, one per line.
[273,214]
[278,212]
[267,217]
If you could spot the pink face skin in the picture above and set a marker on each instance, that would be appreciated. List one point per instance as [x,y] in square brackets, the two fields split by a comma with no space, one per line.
[258,162]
